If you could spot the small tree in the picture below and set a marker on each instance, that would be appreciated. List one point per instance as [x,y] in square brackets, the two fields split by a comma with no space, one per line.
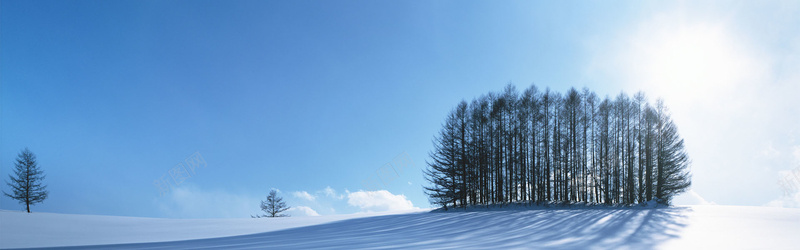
[27,185]
[273,206]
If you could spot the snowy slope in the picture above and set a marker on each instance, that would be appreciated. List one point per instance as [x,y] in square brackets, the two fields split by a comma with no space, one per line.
[690,227]
[20,229]
[738,227]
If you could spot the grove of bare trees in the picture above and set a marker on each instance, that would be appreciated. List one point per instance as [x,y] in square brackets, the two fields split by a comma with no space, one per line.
[539,146]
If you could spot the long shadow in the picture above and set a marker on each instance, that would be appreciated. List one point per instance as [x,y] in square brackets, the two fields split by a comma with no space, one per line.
[636,228]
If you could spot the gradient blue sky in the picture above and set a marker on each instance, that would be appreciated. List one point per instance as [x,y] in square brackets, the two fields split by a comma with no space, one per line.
[314,97]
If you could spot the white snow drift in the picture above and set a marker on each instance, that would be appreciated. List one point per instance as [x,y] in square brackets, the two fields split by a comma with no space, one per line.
[685,227]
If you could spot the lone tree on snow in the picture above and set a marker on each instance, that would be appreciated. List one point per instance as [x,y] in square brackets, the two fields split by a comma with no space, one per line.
[27,185]
[273,206]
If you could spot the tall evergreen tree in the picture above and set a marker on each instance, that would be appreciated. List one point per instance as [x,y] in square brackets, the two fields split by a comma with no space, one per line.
[672,172]
[26,184]
[442,171]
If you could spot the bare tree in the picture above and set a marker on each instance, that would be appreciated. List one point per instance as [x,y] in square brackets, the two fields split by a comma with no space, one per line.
[672,175]
[273,206]
[506,147]
[27,187]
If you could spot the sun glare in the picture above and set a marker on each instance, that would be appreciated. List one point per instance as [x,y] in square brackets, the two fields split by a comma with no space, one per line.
[685,63]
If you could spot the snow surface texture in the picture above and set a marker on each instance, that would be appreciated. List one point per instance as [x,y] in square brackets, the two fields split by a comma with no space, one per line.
[686,227]
[20,229]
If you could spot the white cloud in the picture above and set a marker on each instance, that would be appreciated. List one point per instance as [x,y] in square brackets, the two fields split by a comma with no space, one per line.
[792,201]
[378,201]
[770,152]
[304,195]
[187,201]
[299,211]
[330,192]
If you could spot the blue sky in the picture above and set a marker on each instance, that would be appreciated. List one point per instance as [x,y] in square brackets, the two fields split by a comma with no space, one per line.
[315,97]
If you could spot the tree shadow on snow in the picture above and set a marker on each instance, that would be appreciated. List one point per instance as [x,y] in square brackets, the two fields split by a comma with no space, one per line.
[603,228]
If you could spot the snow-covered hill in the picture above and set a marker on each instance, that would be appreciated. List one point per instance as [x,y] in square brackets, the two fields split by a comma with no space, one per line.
[688,227]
